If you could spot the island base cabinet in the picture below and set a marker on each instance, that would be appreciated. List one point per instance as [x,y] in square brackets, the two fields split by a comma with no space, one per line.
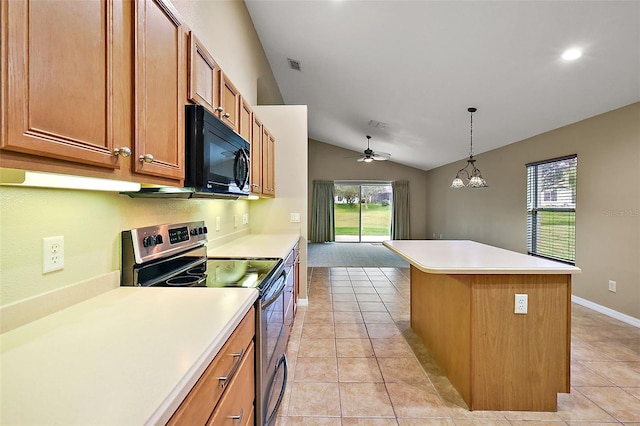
[496,359]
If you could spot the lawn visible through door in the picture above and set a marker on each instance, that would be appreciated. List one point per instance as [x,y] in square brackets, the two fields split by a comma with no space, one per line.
[362,212]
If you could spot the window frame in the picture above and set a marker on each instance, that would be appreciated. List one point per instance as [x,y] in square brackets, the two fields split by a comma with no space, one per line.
[534,209]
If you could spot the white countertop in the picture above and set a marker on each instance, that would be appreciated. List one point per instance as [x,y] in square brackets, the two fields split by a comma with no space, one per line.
[256,245]
[470,257]
[126,357]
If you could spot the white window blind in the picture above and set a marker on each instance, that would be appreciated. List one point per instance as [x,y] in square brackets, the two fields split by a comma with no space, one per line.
[551,208]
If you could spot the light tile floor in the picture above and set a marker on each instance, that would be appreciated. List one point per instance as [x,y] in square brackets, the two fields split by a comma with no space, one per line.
[354,360]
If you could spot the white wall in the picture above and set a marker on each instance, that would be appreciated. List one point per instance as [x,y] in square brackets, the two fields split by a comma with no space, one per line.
[289,124]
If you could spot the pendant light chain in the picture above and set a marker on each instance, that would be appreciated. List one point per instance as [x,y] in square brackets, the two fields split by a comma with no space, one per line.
[471,133]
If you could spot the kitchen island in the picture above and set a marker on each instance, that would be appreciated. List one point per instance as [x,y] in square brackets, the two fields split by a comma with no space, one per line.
[463,308]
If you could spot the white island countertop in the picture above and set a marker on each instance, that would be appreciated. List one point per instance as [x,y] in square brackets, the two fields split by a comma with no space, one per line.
[470,257]
[256,245]
[126,357]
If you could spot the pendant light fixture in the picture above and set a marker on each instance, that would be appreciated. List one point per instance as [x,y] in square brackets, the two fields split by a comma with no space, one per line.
[470,172]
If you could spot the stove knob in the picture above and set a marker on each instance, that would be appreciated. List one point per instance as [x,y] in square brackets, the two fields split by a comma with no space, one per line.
[200,230]
[194,231]
[204,229]
[149,241]
[158,239]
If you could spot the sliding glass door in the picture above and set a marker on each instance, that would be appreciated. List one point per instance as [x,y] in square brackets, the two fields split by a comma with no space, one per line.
[362,212]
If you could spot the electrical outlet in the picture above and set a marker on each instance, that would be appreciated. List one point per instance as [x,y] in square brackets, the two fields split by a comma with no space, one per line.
[217,223]
[52,254]
[295,217]
[612,286]
[245,218]
[521,304]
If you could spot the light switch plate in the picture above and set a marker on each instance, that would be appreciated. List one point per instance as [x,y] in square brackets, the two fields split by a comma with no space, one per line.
[295,217]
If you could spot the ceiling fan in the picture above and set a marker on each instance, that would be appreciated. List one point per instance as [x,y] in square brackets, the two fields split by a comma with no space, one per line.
[369,155]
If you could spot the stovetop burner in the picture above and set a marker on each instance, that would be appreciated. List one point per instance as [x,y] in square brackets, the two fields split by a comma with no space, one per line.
[176,256]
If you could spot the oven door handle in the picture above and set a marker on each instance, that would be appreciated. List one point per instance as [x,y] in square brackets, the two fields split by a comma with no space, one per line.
[282,362]
[280,290]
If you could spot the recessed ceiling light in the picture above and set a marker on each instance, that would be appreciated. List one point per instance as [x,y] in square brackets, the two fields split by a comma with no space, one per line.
[571,54]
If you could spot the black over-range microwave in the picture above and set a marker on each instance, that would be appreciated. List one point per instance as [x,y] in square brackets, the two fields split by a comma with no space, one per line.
[217,158]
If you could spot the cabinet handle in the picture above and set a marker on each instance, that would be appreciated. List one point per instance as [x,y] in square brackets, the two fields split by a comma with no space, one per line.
[124,151]
[238,417]
[226,379]
[255,185]
[226,115]
[219,109]
[147,158]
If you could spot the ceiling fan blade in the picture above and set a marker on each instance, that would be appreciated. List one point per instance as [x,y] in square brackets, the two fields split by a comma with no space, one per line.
[381,156]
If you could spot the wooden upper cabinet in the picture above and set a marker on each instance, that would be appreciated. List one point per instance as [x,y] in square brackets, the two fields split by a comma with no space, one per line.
[60,79]
[245,121]
[204,76]
[268,163]
[229,102]
[159,91]
[256,156]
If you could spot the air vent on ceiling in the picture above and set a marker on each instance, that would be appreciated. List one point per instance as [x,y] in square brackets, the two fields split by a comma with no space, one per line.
[293,64]
[377,124]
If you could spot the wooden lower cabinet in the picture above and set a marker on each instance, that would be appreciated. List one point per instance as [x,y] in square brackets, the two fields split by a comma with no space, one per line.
[226,388]
[236,406]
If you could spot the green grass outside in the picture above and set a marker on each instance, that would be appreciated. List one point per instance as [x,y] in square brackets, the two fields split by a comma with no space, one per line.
[555,227]
[376,219]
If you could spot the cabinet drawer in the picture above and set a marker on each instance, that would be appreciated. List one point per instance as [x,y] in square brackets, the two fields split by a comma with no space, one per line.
[200,402]
[236,406]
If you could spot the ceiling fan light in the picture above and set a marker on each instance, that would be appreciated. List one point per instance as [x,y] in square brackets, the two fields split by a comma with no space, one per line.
[368,160]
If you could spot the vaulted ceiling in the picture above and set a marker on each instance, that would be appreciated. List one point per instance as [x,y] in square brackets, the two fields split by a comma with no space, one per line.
[416,66]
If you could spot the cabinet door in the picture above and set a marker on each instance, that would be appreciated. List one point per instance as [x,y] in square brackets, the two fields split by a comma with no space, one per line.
[245,123]
[204,76]
[229,101]
[256,156]
[236,406]
[160,84]
[268,163]
[59,80]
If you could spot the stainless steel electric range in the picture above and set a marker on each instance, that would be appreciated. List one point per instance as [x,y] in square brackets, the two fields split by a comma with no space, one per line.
[175,255]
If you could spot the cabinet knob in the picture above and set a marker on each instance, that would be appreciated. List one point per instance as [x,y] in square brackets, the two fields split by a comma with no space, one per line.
[147,158]
[123,151]
[255,185]
[219,109]
[226,115]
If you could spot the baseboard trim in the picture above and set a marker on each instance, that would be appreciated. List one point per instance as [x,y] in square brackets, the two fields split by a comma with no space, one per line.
[303,302]
[628,319]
